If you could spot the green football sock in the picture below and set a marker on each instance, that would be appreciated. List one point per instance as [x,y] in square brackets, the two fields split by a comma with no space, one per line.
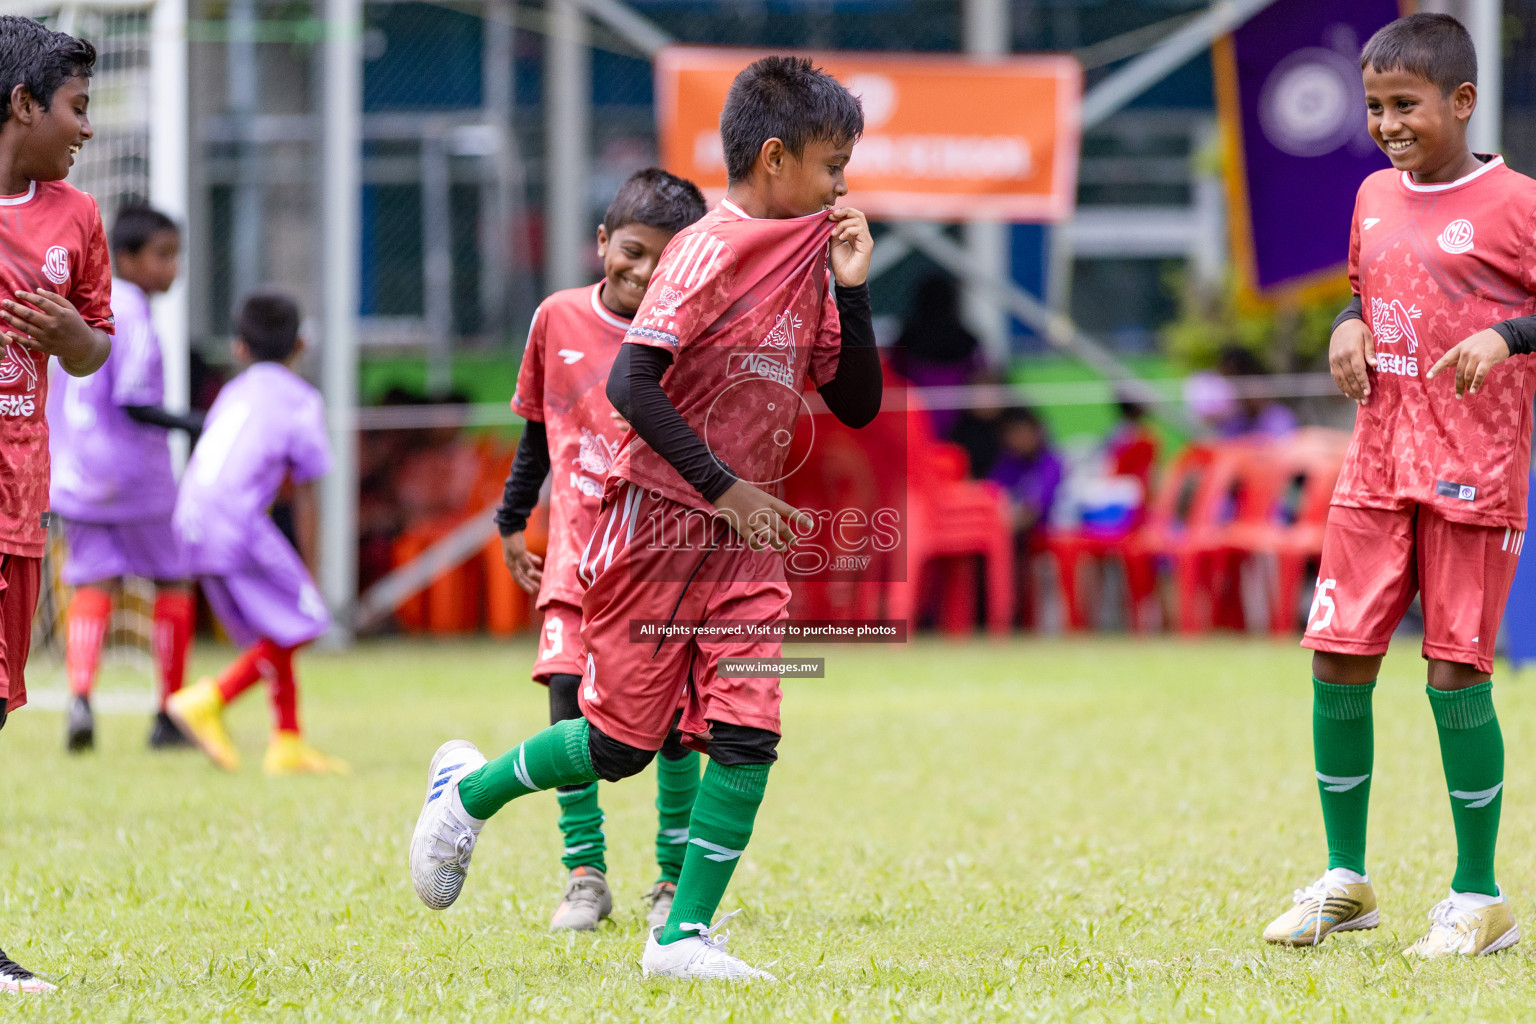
[581,822]
[558,756]
[677,784]
[1343,747]
[717,837]
[1472,751]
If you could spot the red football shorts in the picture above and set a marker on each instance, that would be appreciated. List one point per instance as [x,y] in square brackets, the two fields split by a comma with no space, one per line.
[1375,560]
[560,649]
[20,580]
[655,560]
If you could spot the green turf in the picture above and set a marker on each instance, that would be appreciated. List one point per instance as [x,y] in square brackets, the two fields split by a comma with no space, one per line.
[1033,831]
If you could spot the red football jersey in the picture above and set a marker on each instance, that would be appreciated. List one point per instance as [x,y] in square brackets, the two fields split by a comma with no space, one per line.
[1434,264]
[563,384]
[746,306]
[50,237]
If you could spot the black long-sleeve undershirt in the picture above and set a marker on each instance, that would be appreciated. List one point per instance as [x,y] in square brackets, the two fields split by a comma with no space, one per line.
[155,416]
[529,468]
[1518,333]
[634,387]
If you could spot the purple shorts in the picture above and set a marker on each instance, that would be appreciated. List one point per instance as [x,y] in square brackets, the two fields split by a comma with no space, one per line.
[97,552]
[270,597]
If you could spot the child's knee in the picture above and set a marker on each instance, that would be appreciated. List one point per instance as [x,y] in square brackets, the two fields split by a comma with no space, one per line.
[1454,675]
[732,744]
[613,760]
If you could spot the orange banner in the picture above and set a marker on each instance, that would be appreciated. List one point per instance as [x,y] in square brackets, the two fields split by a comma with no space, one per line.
[945,137]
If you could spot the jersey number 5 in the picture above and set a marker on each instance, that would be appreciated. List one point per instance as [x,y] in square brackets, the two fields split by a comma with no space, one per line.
[1323,604]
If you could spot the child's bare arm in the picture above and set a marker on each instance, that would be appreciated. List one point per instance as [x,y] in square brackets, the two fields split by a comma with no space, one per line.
[306,521]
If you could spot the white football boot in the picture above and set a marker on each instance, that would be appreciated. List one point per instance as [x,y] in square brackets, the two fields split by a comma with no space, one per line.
[17,979]
[445,833]
[698,956]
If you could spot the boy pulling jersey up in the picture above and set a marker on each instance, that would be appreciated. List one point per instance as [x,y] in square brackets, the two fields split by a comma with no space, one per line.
[576,334]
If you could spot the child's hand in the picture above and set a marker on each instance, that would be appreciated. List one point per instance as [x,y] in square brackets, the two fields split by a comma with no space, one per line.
[1473,357]
[1350,350]
[762,520]
[46,322]
[527,568]
[852,246]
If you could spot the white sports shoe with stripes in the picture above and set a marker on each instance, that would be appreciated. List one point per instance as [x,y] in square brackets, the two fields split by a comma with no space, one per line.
[698,956]
[16,979]
[445,833]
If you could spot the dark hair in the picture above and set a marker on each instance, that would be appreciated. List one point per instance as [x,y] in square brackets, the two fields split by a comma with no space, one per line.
[135,226]
[1434,47]
[789,99]
[1236,361]
[40,59]
[1020,415]
[268,322]
[656,199]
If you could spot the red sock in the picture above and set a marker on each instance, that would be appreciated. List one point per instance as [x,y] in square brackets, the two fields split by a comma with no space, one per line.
[285,691]
[242,673]
[174,611]
[90,616]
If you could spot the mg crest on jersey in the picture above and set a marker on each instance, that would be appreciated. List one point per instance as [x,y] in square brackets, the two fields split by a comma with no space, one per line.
[1457,237]
[1392,324]
[56,265]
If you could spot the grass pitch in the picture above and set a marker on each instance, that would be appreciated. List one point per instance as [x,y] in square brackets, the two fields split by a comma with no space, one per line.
[1050,831]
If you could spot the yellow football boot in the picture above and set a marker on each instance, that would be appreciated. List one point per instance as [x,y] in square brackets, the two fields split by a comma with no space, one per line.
[288,754]
[198,711]
[1331,904]
[1468,924]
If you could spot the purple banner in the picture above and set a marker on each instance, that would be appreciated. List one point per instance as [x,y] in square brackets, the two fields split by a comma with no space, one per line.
[1289,90]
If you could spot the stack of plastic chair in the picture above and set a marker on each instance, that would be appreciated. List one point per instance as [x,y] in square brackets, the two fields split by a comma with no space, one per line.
[953,520]
[1245,484]
[836,470]
[1163,521]
[1291,537]
[443,487]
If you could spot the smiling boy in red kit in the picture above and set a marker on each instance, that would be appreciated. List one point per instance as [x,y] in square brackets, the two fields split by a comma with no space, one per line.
[55,300]
[1432,495]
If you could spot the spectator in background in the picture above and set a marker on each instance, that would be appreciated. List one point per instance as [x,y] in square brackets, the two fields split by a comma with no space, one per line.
[1215,399]
[1132,447]
[934,348]
[1029,471]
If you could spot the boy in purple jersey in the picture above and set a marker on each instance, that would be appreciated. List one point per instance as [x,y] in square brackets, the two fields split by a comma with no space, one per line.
[112,481]
[266,426]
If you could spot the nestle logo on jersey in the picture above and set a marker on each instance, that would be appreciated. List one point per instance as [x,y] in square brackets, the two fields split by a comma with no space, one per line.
[1392,325]
[17,405]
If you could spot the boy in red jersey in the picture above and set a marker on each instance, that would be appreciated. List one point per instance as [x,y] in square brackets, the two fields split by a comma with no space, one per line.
[55,300]
[575,335]
[1432,496]
[739,317]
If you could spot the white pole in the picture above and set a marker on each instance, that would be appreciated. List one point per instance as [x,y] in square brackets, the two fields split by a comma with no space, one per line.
[341,134]
[169,160]
[1485,24]
[568,133]
[988,35]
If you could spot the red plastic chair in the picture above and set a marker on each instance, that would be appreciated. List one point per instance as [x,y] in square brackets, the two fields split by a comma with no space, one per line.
[952,520]
[1292,537]
[1164,518]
